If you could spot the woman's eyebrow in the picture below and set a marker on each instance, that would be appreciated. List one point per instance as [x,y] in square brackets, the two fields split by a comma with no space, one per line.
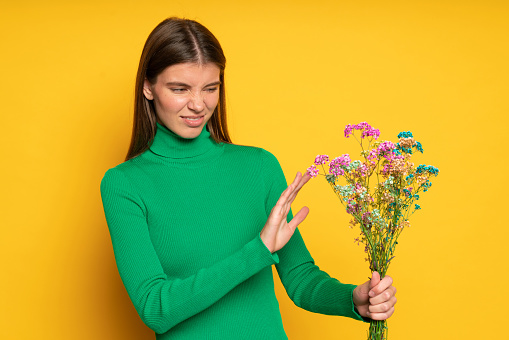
[176,83]
[214,83]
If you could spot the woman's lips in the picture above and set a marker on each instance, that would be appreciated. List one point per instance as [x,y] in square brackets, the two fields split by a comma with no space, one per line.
[192,121]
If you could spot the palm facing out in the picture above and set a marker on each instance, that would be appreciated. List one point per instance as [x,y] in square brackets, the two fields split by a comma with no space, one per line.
[277,231]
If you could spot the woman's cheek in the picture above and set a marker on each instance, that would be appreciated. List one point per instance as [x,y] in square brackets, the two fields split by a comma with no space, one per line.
[177,104]
[211,102]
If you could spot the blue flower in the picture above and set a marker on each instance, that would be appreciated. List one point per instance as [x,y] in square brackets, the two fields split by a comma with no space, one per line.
[419,148]
[417,207]
[409,179]
[420,169]
[432,170]
[406,134]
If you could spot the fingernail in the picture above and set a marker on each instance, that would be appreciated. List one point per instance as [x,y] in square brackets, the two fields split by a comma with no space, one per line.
[371,293]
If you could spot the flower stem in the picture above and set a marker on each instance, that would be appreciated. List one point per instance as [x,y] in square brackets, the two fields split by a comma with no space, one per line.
[378,330]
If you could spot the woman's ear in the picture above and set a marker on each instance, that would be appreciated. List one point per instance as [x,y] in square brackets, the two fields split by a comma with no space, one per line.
[147,90]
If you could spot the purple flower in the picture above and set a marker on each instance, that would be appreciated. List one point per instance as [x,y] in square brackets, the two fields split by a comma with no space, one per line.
[386,146]
[352,207]
[343,160]
[386,149]
[367,130]
[321,159]
[387,168]
[337,165]
[363,125]
[366,217]
[373,156]
[312,171]
[370,132]
[349,129]
[336,171]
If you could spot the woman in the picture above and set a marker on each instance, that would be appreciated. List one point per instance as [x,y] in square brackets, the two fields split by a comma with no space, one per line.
[197,222]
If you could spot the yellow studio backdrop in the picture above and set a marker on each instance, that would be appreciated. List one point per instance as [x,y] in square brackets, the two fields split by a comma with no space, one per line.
[297,73]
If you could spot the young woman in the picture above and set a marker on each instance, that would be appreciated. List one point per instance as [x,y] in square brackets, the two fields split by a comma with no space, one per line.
[197,222]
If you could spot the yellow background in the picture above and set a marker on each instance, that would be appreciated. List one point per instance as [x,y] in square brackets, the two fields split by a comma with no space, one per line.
[298,72]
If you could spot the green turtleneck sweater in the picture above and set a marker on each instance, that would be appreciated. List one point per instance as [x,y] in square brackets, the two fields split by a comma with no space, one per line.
[185,220]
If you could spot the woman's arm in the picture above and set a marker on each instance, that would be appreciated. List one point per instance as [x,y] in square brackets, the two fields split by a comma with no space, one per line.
[313,289]
[160,301]
[309,287]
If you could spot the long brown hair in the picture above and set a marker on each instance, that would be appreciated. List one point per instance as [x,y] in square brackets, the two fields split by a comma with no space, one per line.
[175,41]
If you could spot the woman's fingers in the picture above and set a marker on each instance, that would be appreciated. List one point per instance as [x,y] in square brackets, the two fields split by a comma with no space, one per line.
[299,217]
[277,231]
[282,202]
[301,180]
[383,297]
[381,316]
[285,200]
[380,286]
[288,196]
[299,183]
[384,306]
[294,186]
[382,292]
[291,192]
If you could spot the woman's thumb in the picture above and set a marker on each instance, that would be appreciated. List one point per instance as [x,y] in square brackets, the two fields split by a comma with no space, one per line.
[375,279]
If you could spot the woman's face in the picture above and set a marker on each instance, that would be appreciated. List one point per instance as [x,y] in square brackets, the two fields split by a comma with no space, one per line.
[185,96]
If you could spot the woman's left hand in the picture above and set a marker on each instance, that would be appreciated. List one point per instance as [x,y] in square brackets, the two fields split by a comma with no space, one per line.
[375,298]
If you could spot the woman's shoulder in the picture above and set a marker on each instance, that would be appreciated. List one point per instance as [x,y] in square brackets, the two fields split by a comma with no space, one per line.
[124,170]
[252,152]
[253,157]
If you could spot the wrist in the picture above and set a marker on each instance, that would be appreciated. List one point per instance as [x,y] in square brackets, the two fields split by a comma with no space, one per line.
[265,243]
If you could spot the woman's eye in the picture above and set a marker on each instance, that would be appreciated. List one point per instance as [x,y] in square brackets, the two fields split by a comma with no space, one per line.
[178,90]
[211,89]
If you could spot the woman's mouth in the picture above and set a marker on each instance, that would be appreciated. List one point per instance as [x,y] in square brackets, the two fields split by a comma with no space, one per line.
[193,121]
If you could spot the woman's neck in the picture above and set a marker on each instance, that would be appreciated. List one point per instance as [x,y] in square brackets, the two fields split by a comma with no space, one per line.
[170,145]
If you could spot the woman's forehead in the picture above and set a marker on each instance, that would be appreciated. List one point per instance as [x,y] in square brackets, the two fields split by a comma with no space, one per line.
[190,73]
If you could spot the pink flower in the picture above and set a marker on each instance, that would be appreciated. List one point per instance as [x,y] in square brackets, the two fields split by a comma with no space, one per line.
[386,149]
[396,163]
[321,159]
[367,130]
[387,169]
[312,171]
[352,207]
[342,161]
[359,188]
[337,171]
[386,146]
[370,132]
[349,129]
[337,165]
[373,156]
[363,125]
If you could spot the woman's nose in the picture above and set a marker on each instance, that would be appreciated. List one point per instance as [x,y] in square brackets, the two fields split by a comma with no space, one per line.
[196,102]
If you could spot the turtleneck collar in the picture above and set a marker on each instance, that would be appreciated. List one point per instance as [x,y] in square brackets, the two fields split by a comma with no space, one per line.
[170,145]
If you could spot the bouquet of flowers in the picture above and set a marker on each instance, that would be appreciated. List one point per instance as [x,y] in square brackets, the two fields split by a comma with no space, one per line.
[379,192]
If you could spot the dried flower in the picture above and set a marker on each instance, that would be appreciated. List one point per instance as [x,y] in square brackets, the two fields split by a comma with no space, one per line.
[312,171]
[321,159]
[381,212]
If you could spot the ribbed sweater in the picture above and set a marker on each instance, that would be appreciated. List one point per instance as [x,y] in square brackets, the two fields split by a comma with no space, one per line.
[185,218]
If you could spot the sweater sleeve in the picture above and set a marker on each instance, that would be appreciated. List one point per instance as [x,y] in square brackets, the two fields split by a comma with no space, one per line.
[160,301]
[307,286]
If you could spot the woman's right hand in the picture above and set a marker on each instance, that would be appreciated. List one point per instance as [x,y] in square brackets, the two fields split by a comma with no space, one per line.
[277,231]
